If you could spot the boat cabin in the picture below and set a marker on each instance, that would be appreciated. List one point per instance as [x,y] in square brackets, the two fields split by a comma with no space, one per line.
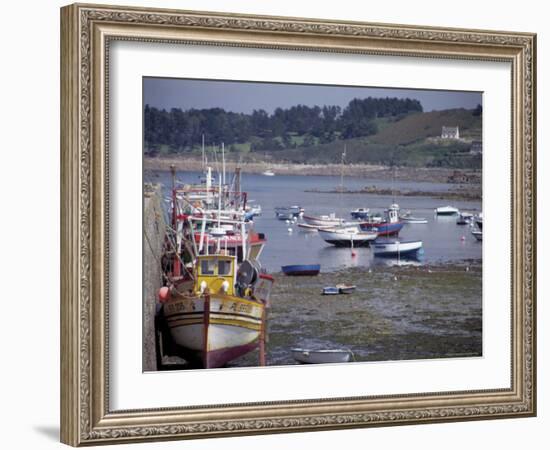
[217,273]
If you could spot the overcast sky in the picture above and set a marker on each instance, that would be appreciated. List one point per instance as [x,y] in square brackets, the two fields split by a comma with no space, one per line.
[238,96]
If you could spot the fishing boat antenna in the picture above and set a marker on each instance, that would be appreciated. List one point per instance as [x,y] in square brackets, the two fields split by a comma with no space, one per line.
[393,185]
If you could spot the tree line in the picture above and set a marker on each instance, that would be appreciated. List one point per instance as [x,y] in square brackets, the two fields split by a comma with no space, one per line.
[183,130]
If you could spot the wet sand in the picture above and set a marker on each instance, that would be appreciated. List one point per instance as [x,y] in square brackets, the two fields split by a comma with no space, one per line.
[396,313]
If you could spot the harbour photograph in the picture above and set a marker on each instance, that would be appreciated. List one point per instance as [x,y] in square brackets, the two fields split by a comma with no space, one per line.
[295,224]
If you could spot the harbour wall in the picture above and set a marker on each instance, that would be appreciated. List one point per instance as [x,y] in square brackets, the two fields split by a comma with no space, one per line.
[154,228]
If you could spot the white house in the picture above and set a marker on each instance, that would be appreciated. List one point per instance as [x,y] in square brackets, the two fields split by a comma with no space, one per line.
[450,133]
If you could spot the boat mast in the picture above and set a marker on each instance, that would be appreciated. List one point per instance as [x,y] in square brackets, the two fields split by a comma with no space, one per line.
[219,212]
[223,164]
[342,170]
[203,154]
[237,186]
[177,266]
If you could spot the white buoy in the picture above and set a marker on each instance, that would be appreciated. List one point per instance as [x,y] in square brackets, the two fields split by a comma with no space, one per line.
[290,230]
[287,221]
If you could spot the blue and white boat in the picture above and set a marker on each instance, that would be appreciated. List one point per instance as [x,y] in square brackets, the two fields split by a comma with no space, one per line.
[389,225]
[301,270]
[397,248]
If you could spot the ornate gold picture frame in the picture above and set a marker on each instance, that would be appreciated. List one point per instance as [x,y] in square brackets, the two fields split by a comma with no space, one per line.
[87,32]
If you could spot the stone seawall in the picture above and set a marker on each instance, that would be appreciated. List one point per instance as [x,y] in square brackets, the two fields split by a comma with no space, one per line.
[154,228]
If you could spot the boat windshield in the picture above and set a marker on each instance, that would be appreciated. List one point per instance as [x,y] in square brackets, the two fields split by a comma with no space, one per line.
[224,267]
[208,266]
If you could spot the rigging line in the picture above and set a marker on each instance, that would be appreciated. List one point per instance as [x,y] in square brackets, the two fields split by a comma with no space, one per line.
[173,247]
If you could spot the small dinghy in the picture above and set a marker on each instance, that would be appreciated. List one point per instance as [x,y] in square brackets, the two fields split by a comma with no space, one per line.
[346,288]
[411,219]
[331,290]
[301,270]
[307,356]
[396,248]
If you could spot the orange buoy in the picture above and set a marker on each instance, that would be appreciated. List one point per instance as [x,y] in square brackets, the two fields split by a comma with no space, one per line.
[164,294]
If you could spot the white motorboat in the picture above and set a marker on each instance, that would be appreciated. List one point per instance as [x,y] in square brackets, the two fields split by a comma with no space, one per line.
[268,173]
[446,211]
[312,227]
[347,237]
[396,248]
[408,218]
[324,220]
[307,356]
[477,234]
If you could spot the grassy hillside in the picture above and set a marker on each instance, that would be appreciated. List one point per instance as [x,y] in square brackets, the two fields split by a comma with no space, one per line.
[408,140]
[418,126]
[411,141]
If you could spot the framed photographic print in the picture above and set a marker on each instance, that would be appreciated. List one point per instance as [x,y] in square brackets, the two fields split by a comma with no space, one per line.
[276,224]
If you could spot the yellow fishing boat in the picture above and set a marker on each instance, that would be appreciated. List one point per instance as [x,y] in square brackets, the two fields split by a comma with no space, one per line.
[221,313]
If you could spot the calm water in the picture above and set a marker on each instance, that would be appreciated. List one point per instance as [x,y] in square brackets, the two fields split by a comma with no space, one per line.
[288,244]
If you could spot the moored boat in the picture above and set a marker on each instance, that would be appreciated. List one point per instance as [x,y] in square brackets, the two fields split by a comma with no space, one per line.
[268,173]
[324,220]
[347,237]
[478,235]
[409,218]
[389,225]
[301,270]
[360,213]
[308,356]
[396,248]
[446,211]
[306,226]
[414,220]
[288,212]
[346,288]
[479,221]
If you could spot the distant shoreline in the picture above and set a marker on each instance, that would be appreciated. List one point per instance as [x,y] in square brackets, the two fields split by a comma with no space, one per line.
[424,174]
